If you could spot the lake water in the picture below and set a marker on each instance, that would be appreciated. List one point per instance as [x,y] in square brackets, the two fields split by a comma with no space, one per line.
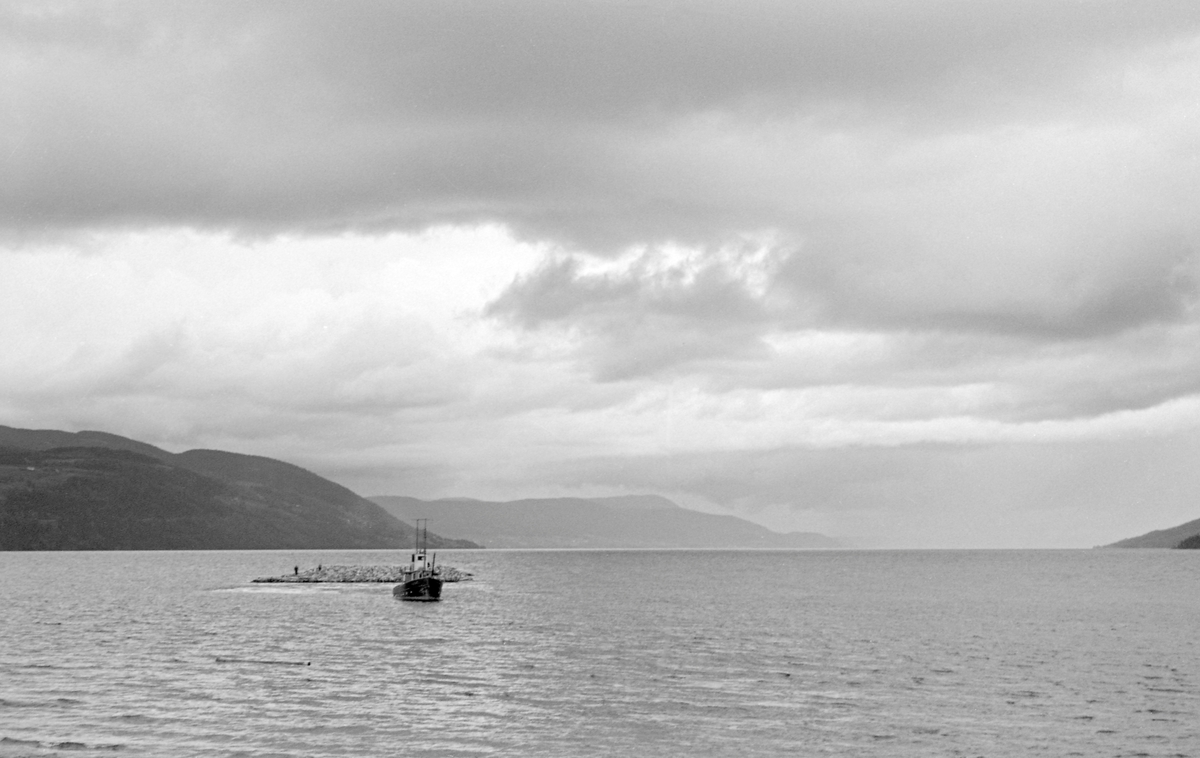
[603,653]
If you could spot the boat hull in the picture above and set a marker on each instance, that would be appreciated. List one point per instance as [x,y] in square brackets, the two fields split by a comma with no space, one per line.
[421,588]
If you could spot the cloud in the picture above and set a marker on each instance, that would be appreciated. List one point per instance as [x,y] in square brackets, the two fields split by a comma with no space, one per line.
[1116,336]
[180,335]
[1084,291]
[592,125]
[652,316]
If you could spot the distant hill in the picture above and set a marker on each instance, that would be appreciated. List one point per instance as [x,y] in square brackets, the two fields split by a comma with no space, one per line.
[98,491]
[641,521]
[1191,543]
[45,439]
[1163,537]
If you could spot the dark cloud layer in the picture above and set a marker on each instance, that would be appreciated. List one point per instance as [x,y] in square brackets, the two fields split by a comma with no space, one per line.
[1094,292]
[275,116]
[877,140]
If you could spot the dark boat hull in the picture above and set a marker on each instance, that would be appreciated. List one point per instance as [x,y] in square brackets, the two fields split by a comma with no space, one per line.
[421,588]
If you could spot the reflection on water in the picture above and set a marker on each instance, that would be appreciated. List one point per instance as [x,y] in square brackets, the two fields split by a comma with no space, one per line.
[602,653]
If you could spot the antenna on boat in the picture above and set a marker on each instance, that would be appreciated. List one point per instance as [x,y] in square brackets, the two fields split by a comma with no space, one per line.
[417,533]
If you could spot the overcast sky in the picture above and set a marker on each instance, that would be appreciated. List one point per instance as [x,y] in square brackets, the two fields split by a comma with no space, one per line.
[910,274]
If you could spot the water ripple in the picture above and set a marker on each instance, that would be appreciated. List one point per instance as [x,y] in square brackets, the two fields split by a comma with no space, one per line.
[719,654]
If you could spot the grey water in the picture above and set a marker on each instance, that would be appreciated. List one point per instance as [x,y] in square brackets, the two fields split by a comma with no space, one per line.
[596,653]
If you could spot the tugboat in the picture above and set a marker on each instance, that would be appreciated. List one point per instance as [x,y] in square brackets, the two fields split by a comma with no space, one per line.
[421,580]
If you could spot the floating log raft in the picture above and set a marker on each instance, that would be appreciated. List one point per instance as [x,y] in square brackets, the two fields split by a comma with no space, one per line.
[350,574]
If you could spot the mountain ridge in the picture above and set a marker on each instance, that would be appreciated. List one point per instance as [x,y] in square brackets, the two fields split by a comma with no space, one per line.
[95,490]
[99,491]
[628,521]
[1159,538]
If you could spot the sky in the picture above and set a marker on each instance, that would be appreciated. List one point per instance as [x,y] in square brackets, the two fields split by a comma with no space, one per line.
[909,274]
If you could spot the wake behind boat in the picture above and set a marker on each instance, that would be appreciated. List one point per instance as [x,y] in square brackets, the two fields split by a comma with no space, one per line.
[421,580]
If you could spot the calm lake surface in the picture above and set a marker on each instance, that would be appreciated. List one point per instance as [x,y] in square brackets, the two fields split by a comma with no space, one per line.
[600,653]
